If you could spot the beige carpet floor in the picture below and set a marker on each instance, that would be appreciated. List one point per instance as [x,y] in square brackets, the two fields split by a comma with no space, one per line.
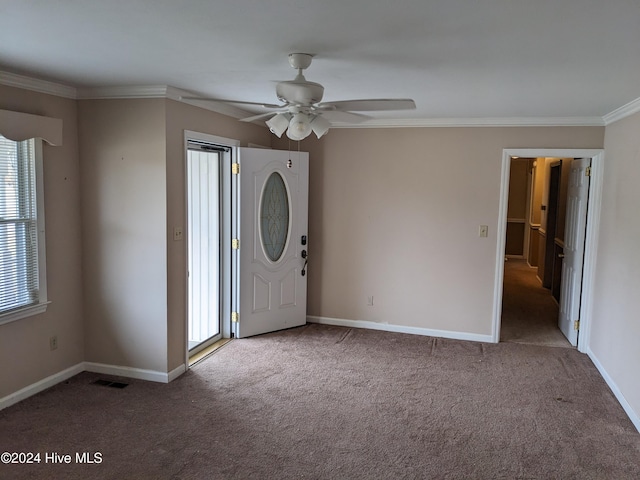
[529,312]
[322,402]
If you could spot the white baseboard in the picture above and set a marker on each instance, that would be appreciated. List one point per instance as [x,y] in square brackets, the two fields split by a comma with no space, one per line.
[129,372]
[387,327]
[176,372]
[633,416]
[41,385]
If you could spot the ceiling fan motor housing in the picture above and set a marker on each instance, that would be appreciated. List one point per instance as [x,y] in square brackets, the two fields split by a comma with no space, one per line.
[299,92]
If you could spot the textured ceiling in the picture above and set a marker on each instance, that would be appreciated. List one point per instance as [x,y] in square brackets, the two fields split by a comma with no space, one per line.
[455,58]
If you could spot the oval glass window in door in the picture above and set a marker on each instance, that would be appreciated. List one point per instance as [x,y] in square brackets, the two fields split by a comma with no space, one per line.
[274,217]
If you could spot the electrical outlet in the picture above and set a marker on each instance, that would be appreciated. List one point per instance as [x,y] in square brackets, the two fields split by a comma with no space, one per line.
[53,342]
[370,300]
[177,234]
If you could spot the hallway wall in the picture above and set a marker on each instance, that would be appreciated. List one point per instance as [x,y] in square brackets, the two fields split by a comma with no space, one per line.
[616,329]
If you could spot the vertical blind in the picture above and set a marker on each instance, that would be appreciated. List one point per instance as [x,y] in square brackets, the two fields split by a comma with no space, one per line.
[18,225]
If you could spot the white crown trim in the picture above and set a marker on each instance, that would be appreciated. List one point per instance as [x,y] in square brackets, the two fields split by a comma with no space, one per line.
[622,112]
[37,85]
[164,91]
[477,122]
[144,91]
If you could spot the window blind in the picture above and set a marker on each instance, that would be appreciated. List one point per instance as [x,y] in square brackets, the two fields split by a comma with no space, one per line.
[18,225]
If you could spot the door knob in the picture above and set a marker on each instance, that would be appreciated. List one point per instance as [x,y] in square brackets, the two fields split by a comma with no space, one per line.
[561,255]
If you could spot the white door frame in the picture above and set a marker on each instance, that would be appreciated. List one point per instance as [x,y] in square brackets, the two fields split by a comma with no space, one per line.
[225,226]
[591,237]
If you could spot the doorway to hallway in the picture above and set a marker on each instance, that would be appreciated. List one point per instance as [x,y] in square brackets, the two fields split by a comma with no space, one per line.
[579,308]
[533,252]
[529,311]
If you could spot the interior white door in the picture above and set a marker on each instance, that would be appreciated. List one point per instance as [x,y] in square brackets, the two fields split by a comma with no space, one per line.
[273,240]
[574,237]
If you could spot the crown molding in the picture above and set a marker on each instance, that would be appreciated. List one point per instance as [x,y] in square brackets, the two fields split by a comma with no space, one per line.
[622,112]
[477,122]
[159,91]
[121,92]
[144,91]
[37,85]
[164,91]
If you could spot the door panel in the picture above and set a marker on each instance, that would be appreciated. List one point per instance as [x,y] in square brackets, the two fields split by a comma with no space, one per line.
[574,237]
[273,219]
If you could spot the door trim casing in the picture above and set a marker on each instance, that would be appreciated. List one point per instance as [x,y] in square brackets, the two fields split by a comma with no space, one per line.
[225,225]
[591,237]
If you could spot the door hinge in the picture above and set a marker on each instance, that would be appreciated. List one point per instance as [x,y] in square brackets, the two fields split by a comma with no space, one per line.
[587,172]
[235,317]
[576,324]
[235,244]
[235,168]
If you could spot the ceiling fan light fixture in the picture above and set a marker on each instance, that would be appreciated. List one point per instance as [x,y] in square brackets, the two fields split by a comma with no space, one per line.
[320,125]
[299,126]
[278,124]
[302,111]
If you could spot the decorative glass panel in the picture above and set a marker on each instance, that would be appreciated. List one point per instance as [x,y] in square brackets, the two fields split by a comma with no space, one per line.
[274,217]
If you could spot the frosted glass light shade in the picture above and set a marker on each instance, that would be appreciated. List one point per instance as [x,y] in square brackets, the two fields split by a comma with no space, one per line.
[299,127]
[278,124]
[320,126]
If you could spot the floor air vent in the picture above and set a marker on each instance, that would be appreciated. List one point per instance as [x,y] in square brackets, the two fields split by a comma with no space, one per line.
[109,383]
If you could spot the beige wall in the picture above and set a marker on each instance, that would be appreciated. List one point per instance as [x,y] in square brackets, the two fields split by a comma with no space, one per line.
[517,207]
[122,147]
[133,197]
[180,117]
[518,180]
[394,213]
[25,357]
[616,329]
[538,188]
[537,238]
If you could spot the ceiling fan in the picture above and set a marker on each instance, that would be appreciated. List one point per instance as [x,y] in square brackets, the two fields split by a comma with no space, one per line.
[302,110]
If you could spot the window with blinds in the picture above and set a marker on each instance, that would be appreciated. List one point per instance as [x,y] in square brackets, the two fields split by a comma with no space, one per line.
[19,228]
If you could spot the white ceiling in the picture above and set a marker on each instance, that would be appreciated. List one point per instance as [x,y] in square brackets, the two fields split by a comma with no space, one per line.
[456,58]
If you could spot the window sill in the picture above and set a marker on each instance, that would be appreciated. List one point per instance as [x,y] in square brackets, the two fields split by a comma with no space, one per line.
[23,313]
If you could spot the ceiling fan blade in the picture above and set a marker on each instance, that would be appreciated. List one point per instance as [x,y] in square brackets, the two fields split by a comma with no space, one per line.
[344,117]
[239,102]
[262,115]
[370,105]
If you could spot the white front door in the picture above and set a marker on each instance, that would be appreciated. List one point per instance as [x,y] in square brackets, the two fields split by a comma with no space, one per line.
[273,201]
[574,237]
